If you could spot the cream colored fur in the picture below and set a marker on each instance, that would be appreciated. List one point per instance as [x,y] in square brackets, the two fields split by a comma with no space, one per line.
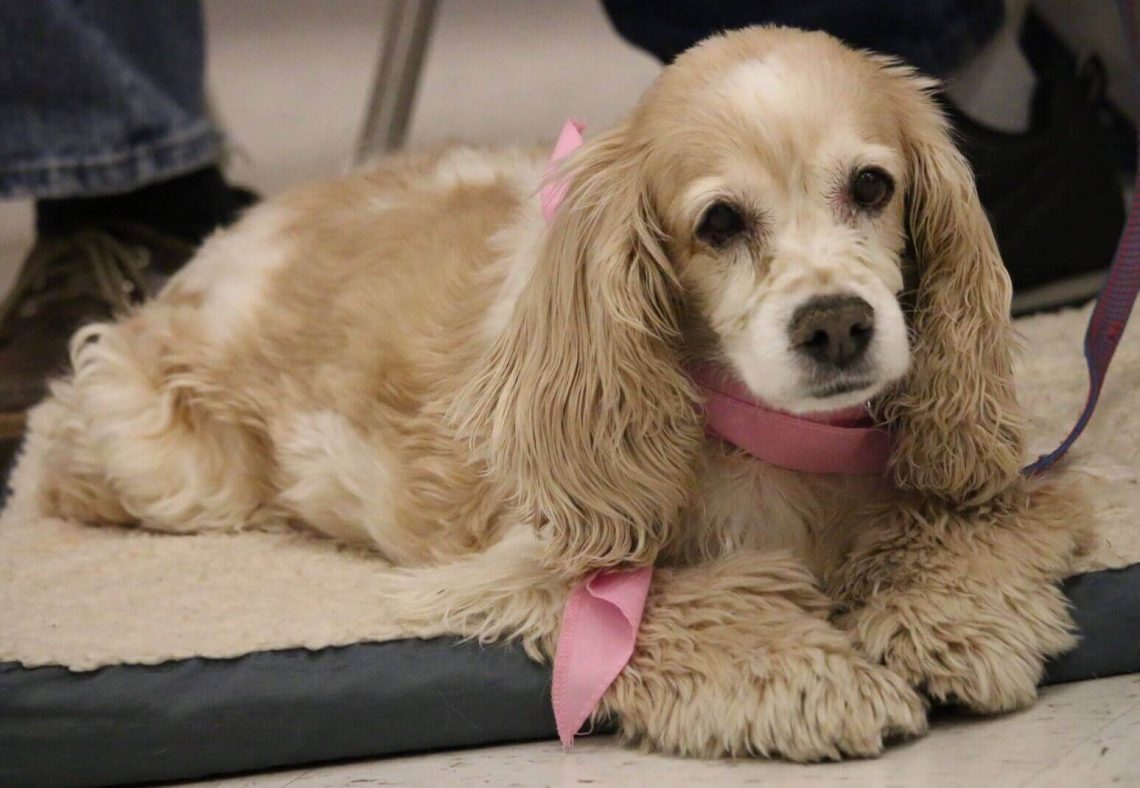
[408,359]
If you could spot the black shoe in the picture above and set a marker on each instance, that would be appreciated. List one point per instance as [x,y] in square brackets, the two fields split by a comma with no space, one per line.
[1053,194]
[187,207]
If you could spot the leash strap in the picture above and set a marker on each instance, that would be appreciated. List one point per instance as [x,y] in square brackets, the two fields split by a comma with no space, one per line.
[1117,296]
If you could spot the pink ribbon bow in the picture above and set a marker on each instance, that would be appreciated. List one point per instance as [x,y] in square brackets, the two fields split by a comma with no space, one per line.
[553,191]
[599,628]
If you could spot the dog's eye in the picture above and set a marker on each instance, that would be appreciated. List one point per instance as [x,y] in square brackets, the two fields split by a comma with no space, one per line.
[871,188]
[720,223]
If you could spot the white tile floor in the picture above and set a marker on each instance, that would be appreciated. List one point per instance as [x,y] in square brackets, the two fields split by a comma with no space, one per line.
[290,80]
[1085,734]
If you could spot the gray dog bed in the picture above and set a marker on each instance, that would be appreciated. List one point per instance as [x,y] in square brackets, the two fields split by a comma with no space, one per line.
[199,717]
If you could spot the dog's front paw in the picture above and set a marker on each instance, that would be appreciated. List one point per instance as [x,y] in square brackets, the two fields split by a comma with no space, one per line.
[824,707]
[983,648]
[805,705]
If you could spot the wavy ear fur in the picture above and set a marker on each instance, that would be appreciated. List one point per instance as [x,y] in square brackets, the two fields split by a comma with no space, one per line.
[957,427]
[582,406]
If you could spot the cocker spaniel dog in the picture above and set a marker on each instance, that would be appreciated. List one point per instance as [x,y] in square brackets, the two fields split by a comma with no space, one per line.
[411,358]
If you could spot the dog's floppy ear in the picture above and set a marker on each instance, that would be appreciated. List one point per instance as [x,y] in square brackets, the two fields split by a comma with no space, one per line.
[957,427]
[582,403]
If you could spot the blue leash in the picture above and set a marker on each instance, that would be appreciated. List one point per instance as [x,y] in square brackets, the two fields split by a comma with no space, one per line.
[1114,306]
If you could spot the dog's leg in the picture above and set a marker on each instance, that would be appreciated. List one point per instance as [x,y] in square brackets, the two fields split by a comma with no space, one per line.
[735,657]
[965,605]
[124,440]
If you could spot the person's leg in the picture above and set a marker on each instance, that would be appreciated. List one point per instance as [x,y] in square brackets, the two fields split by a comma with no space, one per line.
[101,97]
[103,121]
[934,35]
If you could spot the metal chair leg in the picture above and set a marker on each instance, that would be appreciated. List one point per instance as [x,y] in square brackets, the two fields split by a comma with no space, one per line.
[393,95]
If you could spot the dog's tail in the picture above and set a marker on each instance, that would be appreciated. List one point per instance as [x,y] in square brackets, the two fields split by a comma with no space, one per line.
[123,439]
[503,593]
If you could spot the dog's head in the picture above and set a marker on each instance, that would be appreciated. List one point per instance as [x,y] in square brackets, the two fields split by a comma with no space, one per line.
[756,209]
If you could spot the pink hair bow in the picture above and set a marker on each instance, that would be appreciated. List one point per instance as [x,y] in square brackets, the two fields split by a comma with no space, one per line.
[553,190]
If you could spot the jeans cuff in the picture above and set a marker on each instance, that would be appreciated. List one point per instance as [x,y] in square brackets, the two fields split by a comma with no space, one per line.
[114,171]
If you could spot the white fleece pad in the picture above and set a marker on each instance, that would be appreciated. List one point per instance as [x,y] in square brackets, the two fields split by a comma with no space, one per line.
[87,597]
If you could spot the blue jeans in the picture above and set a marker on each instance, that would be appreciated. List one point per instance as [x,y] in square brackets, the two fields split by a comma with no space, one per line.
[934,35]
[101,96]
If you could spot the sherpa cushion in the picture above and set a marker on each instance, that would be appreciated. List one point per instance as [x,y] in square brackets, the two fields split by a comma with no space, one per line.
[141,610]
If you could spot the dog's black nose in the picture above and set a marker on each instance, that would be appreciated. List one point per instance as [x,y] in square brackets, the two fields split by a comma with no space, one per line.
[833,330]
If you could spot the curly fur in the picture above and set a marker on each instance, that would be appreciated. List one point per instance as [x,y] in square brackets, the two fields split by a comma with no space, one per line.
[555,416]
[958,432]
[407,358]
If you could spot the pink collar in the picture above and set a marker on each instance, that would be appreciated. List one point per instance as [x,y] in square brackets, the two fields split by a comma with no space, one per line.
[603,613]
[840,442]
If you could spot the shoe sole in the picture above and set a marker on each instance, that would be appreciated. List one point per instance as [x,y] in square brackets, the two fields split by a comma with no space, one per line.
[1074,291]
